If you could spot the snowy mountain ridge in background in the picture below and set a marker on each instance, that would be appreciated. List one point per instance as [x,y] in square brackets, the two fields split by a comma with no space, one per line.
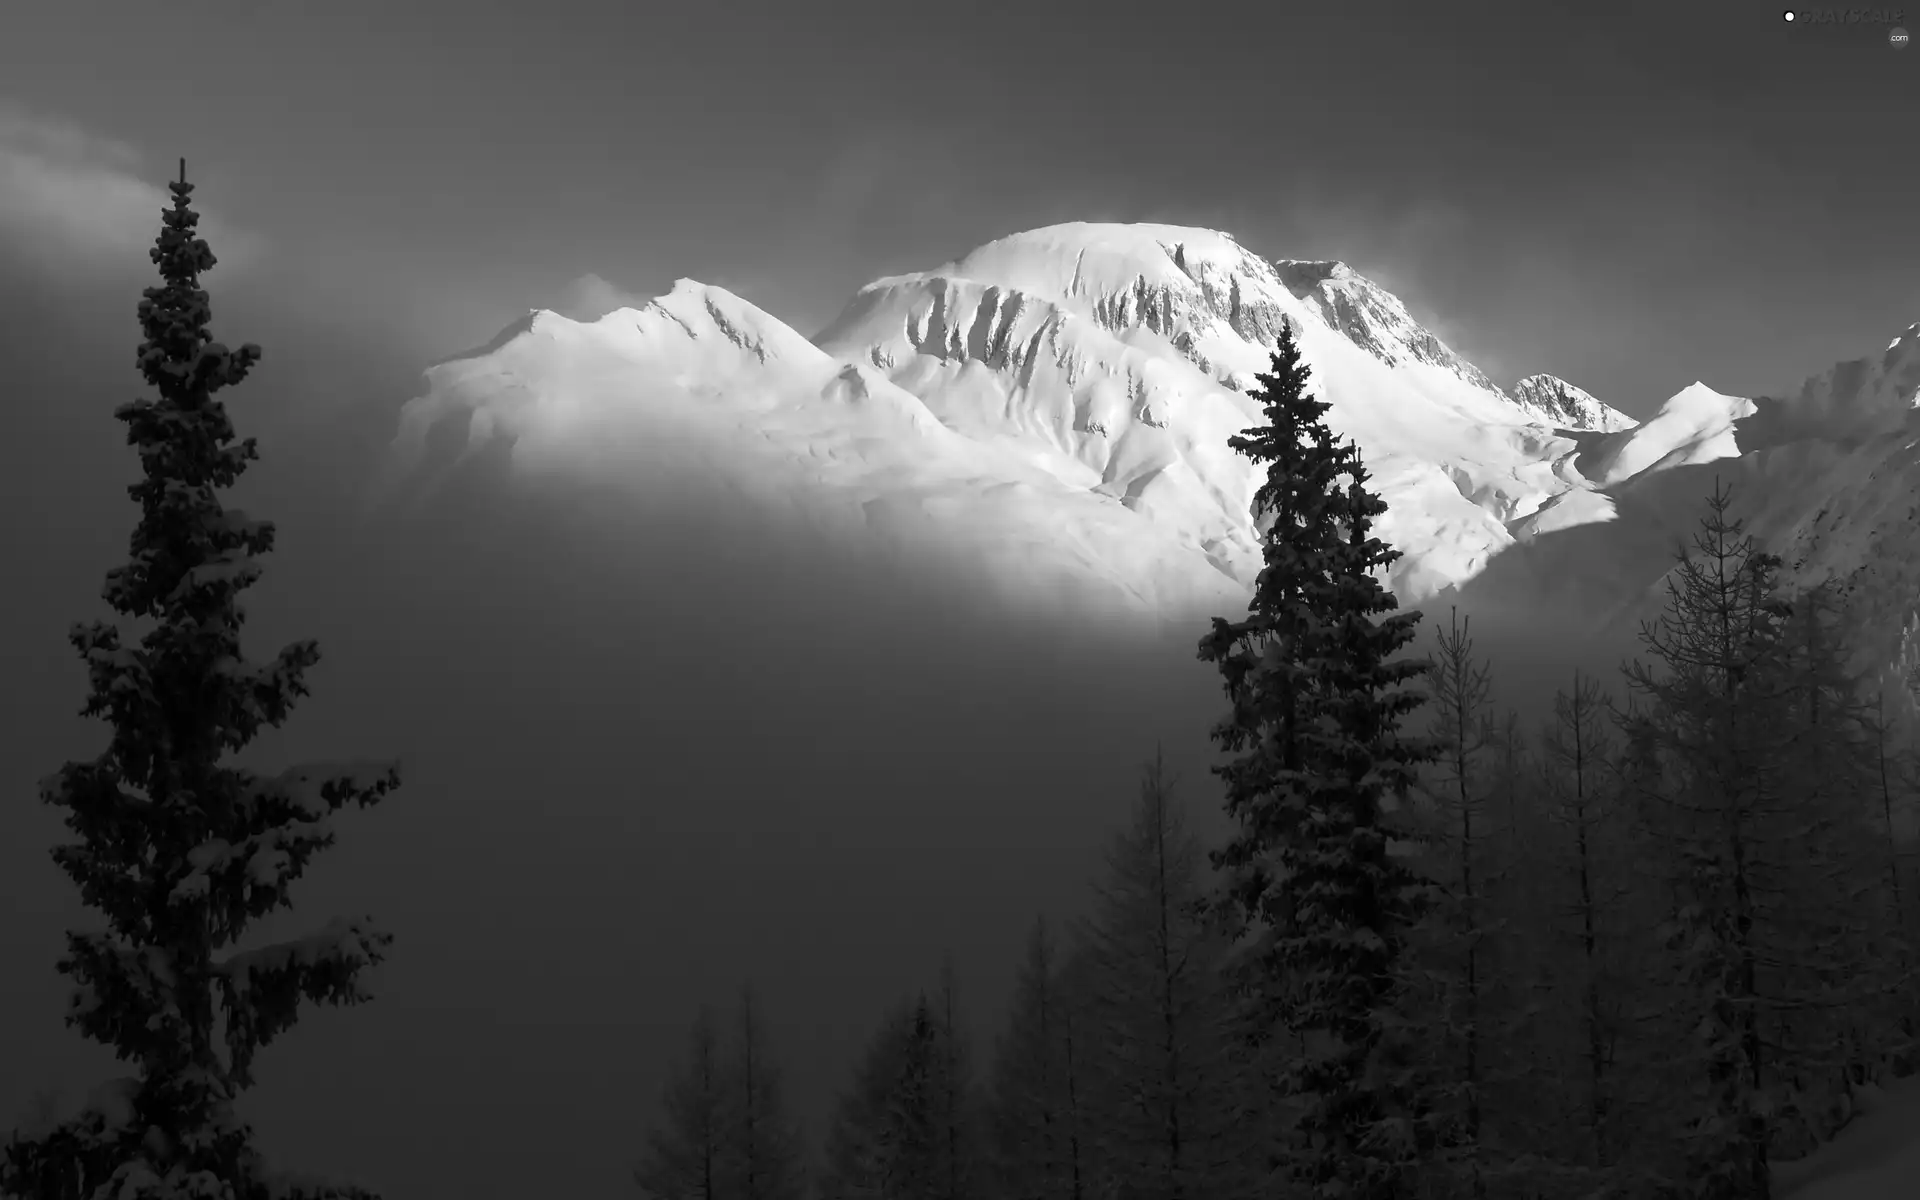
[1565,406]
[1053,409]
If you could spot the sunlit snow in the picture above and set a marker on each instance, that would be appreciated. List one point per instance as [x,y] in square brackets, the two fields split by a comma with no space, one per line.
[1053,408]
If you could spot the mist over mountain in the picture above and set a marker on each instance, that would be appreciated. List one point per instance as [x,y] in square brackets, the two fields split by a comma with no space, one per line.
[1048,416]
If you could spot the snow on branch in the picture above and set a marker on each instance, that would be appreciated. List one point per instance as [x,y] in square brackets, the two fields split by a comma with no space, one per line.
[314,790]
[268,861]
[235,571]
[262,989]
[122,993]
[116,671]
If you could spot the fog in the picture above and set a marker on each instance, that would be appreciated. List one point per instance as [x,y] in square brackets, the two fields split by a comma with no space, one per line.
[647,756]
[653,746]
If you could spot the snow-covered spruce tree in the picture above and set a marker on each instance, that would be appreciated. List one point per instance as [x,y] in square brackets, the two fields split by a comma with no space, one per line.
[686,1157]
[1169,1088]
[764,1152]
[177,849]
[1321,902]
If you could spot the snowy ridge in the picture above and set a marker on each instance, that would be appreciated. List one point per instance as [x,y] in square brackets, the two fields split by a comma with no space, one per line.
[1849,401]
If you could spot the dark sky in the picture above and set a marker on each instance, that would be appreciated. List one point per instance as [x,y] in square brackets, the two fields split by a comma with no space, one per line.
[653,755]
[1633,195]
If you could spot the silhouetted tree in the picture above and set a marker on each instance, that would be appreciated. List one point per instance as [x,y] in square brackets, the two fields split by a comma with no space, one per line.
[1320,900]
[178,849]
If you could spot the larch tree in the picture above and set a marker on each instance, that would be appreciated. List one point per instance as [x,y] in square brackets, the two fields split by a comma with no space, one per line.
[1896,789]
[687,1152]
[954,1102]
[1320,896]
[1168,1083]
[1087,1174]
[764,1152]
[1710,721]
[179,850]
[884,1142]
[1581,803]
[1848,986]
[1458,856]
[1028,1124]
[1768,929]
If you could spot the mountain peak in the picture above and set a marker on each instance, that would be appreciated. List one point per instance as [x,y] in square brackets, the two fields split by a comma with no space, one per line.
[1372,317]
[1303,273]
[1565,406]
[708,314]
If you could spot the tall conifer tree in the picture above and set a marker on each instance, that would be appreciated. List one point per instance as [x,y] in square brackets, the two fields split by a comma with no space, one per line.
[176,848]
[1322,905]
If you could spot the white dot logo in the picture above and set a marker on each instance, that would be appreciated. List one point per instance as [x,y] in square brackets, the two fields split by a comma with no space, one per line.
[1789,16]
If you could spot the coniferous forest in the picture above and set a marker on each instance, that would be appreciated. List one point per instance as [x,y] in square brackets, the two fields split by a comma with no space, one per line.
[1652,943]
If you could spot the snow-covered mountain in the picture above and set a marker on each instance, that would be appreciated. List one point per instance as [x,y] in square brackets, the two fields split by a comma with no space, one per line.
[1565,406]
[1053,410]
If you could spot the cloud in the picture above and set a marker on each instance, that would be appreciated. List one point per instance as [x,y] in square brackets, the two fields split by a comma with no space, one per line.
[590,297]
[71,198]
